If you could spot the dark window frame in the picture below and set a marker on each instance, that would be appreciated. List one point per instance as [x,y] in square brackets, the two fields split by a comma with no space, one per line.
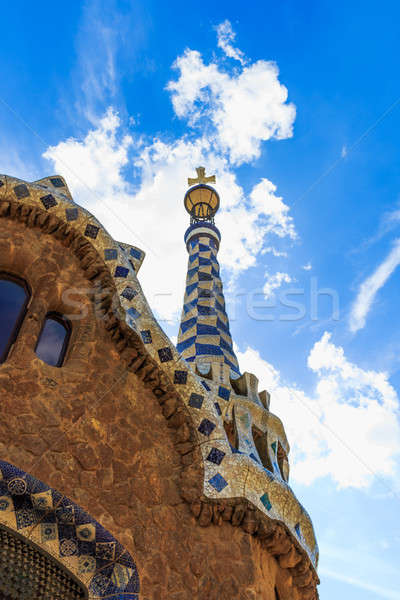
[66,323]
[6,276]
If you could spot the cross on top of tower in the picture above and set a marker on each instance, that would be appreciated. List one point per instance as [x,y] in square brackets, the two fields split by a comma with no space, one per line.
[201,177]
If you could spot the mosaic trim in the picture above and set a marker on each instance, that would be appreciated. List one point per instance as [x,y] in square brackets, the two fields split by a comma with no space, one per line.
[156,363]
[204,330]
[66,532]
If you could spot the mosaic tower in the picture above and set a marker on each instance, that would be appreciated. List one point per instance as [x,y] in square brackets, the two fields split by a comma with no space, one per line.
[129,469]
[204,336]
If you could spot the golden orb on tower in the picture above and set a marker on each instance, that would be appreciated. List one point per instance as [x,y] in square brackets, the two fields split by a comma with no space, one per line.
[201,200]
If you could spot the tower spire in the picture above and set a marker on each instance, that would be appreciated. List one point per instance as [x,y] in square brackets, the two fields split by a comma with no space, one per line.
[204,334]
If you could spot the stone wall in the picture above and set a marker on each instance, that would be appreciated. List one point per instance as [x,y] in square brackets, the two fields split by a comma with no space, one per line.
[93,431]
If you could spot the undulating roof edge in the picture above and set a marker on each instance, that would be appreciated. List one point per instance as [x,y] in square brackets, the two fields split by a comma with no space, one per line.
[235,477]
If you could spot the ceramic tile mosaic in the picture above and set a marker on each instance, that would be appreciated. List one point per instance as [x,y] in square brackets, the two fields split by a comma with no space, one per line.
[200,331]
[60,528]
[203,339]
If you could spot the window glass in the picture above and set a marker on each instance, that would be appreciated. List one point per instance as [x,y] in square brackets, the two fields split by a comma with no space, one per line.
[13,301]
[53,340]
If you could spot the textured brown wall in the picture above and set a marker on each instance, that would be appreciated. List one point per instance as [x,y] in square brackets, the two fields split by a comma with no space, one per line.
[93,431]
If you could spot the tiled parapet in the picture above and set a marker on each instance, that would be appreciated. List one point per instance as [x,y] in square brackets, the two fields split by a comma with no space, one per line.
[228,482]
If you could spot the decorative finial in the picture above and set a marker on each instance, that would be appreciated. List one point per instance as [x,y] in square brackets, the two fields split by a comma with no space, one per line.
[201,200]
[201,177]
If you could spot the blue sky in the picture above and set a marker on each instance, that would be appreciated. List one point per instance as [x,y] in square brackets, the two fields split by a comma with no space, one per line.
[298,116]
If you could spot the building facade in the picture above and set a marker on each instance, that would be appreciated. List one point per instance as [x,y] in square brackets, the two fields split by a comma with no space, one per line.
[131,469]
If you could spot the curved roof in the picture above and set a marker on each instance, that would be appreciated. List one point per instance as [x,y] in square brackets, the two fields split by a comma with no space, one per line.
[237,477]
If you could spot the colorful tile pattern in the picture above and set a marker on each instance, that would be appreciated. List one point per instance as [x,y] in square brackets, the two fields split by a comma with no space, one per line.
[205,335]
[204,331]
[62,529]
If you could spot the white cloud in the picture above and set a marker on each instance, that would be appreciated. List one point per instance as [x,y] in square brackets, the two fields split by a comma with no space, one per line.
[151,215]
[225,38]
[307,267]
[95,162]
[238,110]
[348,429]
[142,205]
[274,252]
[263,200]
[108,46]
[370,287]
[274,282]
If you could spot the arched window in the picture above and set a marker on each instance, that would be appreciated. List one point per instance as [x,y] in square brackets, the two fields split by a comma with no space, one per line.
[14,298]
[53,340]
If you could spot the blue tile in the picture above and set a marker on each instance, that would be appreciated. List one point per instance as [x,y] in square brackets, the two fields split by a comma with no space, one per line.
[186,344]
[48,201]
[204,293]
[216,456]
[129,293]
[218,408]
[196,400]
[190,306]
[146,336]
[165,354]
[219,306]
[135,253]
[191,272]
[225,346]
[91,231]
[232,366]
[218,482]
[190,288]
[205,310]
[110,254]
[71,214]
[185,325]
[133,313]
[21,191]
[121,271]
[57,182]
[180,377]
[206,427]
[221,325]
[224,392]
[204,276]
[205,386]
[266,501]
[208,349]
[254,457]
